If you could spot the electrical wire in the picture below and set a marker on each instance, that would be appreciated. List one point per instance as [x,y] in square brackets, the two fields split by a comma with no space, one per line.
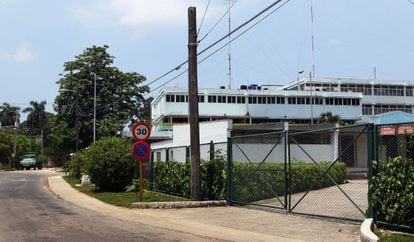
[411,1]
[217,50]
[218,41]
[218,21]
[204,16]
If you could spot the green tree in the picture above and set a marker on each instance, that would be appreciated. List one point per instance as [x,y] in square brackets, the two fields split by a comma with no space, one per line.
[37,117]
[9,114]
[119,95]
[144,112]
[329,118]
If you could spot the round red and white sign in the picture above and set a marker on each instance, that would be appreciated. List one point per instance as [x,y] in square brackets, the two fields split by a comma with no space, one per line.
[141,131]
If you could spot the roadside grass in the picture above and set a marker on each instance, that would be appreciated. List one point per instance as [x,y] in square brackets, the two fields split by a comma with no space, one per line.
[386,236]
[122,199]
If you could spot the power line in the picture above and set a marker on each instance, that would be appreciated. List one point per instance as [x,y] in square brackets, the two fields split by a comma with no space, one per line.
[220,40]
[217,50]
[218,21]
[204,16]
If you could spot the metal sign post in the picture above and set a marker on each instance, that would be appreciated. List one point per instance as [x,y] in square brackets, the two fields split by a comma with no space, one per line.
[141,151]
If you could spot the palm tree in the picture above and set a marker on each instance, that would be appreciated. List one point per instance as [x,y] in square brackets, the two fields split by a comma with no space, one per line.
[37,116]
[329,118]
[9,115]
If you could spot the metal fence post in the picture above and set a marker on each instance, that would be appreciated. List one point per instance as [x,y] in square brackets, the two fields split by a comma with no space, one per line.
[371,157]
[187,153]
[152,171]
[211,150]
[286,158]
[229,170]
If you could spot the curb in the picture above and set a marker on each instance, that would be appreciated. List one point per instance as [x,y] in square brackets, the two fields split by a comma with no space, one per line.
[189,204]
[366,234]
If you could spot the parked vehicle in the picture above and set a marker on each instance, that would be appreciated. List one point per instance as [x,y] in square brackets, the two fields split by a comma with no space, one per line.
[30,160]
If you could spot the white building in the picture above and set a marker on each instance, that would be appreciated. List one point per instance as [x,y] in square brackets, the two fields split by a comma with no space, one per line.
[379,96]
[264,104]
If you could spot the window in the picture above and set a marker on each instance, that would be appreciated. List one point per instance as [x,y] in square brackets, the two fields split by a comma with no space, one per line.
[271,100]
[261,100]
[180,98]
[280,100]
[252,100]
[329,101]
[200,99]
[221,99]
[366,109]
[409,91]
[170,98]
[212,99]
[291,100]
[367,90]
[158,156]
[231,99]
[241,100]
[355,102]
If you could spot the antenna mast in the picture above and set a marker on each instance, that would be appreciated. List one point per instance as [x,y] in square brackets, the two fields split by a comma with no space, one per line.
[313,41]
[229,46]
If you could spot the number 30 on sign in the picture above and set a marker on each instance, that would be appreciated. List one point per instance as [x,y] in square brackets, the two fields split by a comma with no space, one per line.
[141,131]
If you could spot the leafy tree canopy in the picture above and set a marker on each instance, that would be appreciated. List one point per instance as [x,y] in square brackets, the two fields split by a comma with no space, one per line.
[9,114]
[119,95]
[329,118]
[37,117]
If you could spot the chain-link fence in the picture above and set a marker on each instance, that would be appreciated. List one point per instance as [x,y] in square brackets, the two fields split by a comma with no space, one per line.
[258,170]
[392,188]
[317,172]
[327,172]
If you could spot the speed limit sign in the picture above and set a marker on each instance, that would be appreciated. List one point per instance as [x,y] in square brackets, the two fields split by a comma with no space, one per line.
[141,131]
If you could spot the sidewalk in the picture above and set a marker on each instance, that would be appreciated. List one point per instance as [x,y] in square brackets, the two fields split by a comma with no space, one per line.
[222,223]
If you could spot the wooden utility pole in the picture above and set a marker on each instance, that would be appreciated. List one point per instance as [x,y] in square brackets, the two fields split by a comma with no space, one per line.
[193,105]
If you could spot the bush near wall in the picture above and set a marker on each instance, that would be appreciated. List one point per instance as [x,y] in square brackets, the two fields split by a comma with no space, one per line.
[392,191]
[251,182]
[248,183]
[175,178]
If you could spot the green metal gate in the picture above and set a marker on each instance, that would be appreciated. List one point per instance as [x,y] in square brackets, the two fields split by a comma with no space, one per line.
[303,171]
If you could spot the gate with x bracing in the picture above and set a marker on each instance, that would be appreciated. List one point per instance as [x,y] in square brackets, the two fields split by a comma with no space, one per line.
[315,172]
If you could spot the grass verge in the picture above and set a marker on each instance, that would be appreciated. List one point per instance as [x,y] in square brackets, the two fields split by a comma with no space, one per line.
[122,199]
[386,236]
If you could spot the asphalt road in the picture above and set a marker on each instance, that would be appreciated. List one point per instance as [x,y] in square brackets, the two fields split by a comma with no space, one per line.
[30,212]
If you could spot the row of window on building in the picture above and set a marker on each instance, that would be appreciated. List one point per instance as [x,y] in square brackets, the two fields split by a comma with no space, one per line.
[369,109]
[366,89]
[266,100]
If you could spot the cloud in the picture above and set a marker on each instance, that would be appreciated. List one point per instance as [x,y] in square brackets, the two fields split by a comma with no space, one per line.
[143,14]
[22,54]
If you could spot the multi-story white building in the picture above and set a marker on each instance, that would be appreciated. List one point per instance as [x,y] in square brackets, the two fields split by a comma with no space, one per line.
[258,105]
[379,96]
[301,101]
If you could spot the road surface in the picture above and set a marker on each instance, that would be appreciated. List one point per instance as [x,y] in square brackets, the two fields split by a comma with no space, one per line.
[30,212]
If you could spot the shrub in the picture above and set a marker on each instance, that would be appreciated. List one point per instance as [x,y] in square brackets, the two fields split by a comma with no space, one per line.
[392,191]
[109,163]
[75,165]
[251,182]
[175,178]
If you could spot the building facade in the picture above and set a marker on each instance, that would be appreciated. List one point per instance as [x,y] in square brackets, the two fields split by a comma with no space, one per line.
[379,96]
[260,105]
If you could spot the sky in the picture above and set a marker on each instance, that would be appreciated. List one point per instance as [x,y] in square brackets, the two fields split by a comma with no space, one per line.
[150,37]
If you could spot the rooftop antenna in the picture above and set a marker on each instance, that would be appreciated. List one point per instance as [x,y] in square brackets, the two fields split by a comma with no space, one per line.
[313,41]
[229,46]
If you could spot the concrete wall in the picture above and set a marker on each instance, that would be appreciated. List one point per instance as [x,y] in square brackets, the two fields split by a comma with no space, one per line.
[209,131]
